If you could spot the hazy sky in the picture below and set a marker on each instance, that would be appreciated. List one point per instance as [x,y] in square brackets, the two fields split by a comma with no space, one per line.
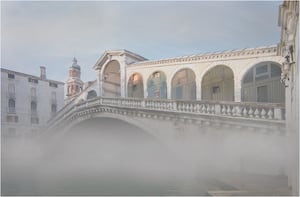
[52,33]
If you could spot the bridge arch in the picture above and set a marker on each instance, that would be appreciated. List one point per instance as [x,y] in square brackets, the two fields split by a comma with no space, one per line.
[261,83]
[111,77]
[142,125]
[218,84]
[157,85]
[183,84]
[135,86]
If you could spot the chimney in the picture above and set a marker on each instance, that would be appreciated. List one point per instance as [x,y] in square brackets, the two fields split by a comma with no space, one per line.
[43,72]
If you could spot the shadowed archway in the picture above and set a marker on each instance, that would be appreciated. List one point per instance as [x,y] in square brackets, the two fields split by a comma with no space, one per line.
[218,84]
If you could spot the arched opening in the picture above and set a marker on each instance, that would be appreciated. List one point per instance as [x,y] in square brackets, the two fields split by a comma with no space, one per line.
[135,86]
[157,85]
[11,106]
[262,83]
[218,84]
[91,94]
[111,80]
[111,153]
[184,85]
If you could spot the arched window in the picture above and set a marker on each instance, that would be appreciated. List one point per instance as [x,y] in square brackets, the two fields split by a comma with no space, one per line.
[184,85]
[262,83]
[135,86]
[157,85]
[33,107]
[11,105]
[112,79]
[218,84]
[91,94]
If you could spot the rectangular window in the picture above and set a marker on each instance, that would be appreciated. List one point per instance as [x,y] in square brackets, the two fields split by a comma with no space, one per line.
[52,84]
[12,118]
[32,80]
[215,89]
[262,94]
[34,120]
[11,76]
[261,72]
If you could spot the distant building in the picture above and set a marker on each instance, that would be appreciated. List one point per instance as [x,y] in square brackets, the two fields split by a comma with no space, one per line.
[28,102]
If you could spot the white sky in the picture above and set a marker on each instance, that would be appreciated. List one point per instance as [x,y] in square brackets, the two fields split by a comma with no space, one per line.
[52,33]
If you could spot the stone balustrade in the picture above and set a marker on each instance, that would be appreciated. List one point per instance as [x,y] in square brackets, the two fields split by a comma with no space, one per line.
[263,111]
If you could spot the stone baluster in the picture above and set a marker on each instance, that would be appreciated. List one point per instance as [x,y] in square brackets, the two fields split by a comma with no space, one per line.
[256,113]
[263,113]
[223,110]
[175,106]
[238,111]
[143,104]
[228,110]
[250,112]
[218,109]
[233,111]
[270,114]
[212,109]
[245,113]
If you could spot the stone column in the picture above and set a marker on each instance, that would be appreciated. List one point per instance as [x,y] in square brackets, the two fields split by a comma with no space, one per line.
[237,89]
[99,80]
[169,91]
[123,79]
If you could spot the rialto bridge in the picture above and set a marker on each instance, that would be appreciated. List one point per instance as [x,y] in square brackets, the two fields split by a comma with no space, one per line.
[231,91]
[222,112]
[239,87]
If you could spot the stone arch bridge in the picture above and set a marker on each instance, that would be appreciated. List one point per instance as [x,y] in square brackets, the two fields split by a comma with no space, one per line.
[168,119]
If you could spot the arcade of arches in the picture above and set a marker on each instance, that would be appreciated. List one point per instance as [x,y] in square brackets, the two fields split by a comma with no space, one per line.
[261,83]
[111,80]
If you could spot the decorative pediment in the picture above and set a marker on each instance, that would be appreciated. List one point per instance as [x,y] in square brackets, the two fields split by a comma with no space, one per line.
[129,57]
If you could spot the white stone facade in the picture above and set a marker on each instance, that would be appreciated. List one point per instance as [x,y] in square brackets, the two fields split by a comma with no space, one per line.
[289,47]
[28,102]
[239,62]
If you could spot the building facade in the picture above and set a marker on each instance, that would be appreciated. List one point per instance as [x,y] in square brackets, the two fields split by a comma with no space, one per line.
[289,49]
[28,102]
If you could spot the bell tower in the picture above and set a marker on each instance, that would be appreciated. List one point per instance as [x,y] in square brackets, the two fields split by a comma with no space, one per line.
[74,83]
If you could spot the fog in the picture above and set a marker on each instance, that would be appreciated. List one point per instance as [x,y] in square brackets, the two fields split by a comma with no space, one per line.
[105,156]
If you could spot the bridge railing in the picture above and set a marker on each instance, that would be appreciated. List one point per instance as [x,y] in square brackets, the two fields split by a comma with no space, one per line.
[270,111]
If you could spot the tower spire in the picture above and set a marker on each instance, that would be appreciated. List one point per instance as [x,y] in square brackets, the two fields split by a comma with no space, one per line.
[74,83]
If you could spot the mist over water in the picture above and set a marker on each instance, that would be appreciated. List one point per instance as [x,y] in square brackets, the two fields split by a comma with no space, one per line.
[105,156]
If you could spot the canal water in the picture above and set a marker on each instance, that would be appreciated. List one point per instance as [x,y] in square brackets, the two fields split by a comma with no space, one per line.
[109,157]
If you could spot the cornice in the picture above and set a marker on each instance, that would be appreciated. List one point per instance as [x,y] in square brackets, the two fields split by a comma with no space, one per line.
[226,55]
